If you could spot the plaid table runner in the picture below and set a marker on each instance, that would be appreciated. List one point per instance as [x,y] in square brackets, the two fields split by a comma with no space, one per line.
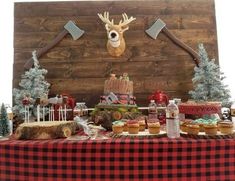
[118,159]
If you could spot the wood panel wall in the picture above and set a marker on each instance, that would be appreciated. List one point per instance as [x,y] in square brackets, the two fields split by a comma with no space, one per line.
[80,67]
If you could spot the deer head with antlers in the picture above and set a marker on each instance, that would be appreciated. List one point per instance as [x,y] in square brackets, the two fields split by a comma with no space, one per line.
[116,44]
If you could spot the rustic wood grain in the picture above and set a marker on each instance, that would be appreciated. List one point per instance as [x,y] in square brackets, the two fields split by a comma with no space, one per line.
[161,7]
[132,53]
[81,67]
[98,39]
[88,23]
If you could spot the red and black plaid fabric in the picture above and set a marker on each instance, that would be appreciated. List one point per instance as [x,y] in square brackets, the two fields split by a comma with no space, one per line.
[118,159]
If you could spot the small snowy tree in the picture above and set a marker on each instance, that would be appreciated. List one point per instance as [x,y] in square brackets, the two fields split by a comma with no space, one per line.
[4,122]
[32,83]
[208,81]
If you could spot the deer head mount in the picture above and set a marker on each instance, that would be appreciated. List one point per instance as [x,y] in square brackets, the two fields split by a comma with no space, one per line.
[116,43]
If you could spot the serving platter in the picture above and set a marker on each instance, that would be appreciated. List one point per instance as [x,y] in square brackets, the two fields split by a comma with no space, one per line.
[141,134]
[203,135]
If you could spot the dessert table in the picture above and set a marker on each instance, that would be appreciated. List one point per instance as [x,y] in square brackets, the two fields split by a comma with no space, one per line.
[118,159]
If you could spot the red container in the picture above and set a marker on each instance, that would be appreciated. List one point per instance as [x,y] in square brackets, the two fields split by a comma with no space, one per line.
[160,98]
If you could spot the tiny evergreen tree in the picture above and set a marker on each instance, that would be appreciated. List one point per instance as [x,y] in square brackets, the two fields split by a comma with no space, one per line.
[4,122]
[32,83]
[208,81]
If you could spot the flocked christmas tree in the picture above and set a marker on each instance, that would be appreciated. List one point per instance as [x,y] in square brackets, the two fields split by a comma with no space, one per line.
[33,84]
[208,81]
[4,122]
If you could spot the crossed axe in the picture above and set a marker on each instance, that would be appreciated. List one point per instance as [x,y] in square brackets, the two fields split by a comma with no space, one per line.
[69,28]
[159,26]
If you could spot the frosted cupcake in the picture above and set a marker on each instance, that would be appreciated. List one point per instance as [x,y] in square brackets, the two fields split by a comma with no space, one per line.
[184,123]
[153,127]
[125,128]
[133,127]
[226,127]
[193,129]
[141,121]
[210,129]
[142,125]
[117,127]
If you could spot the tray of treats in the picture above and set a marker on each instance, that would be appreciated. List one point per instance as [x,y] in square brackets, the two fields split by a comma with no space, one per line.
[207,128]
[202,108]
[137,128]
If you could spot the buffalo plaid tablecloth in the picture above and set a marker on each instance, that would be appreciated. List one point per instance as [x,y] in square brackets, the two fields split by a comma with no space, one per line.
[118,159]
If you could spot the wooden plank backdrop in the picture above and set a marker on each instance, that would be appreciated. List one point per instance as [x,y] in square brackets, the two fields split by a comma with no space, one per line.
[80,67]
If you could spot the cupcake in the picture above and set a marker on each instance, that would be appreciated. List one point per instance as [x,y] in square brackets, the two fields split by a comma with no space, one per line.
[153,127]
[202,122]
[183,126]
[193,129]
[117,127]
[125,128]
[184,123]
[142,125]
[226,127]
[210,129]
[133,127]
[201,127]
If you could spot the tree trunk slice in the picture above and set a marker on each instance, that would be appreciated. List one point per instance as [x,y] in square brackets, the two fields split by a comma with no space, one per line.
[46,130]
[116,115]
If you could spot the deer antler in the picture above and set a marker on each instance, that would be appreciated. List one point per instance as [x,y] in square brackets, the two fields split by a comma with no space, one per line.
[105,18]
[126,20]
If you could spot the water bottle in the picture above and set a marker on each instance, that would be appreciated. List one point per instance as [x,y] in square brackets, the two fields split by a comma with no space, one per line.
[152,110]
[172,120]
[181,115]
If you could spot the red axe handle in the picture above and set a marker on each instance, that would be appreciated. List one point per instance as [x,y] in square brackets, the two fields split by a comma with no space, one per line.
[42,51]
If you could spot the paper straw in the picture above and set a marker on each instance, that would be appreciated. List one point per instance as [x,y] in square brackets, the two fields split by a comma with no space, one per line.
[59,113]
[25,114]
[43,113]
[65,112]
[28,113]
[53,114]
[49,114]
[38,113]
[62,115]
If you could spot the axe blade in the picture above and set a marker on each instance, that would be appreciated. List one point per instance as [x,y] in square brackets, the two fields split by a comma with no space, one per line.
[155,29]
[75,31]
